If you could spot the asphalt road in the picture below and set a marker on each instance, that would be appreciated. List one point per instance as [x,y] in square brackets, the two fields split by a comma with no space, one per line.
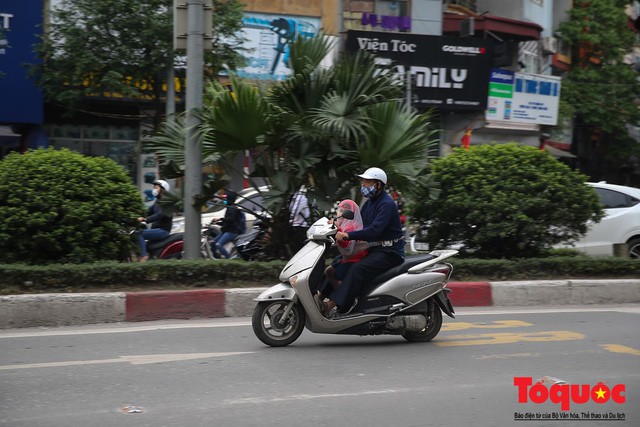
[216,373]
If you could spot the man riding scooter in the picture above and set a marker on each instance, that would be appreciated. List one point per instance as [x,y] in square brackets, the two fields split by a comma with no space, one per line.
[160,222]
[383,230]
[407,299]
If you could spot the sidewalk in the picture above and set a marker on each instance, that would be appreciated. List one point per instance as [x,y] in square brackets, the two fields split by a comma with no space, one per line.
[19,311]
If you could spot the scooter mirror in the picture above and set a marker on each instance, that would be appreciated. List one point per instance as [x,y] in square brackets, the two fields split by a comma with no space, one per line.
[347,214]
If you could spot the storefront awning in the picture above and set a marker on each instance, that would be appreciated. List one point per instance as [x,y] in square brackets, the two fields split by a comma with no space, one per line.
[487,26]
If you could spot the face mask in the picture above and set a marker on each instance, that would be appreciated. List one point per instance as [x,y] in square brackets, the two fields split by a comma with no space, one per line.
[155,192]
[368,192]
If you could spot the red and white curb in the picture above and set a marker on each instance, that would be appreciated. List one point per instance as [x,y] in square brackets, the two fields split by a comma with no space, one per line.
[17,311]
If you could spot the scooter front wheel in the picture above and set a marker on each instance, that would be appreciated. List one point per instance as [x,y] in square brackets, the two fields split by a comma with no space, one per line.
[434,323]
[272,329]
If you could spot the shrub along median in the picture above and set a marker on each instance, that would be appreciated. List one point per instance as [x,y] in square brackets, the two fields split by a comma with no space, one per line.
[173,274]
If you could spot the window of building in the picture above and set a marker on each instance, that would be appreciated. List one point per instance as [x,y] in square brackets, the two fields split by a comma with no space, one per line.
[469,4]
[115,142]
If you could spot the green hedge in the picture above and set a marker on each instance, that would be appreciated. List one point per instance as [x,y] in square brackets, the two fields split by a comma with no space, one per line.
[505,201]
[167,274]
[59,206]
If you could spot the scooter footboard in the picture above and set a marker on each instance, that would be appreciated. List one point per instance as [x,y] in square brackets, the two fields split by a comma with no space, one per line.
[279,292]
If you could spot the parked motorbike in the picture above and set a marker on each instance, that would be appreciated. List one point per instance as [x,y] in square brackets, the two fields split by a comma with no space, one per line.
[249,246]
[407,300]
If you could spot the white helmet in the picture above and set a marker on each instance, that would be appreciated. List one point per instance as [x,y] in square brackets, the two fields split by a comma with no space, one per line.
[374,173]
[162,183]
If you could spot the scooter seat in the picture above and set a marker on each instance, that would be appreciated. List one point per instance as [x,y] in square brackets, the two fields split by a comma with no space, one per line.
[410,261]
[153,245]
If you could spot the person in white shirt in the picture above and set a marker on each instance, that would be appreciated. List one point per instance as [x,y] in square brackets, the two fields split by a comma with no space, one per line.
[298,220]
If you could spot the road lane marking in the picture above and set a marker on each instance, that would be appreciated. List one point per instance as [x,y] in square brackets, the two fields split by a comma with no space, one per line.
[143,359]
[271,399]
[124,329]
[497,324]
[235,322]
[508,338]
[506,356]
[617,348]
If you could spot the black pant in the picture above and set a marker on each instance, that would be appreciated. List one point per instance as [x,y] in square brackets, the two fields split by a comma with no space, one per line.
[361,274]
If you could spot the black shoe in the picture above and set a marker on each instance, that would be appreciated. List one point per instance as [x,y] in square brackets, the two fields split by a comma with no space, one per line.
[355,302]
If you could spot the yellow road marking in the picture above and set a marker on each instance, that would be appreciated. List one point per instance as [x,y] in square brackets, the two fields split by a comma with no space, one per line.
[509,338]
[617,348]
[498,324]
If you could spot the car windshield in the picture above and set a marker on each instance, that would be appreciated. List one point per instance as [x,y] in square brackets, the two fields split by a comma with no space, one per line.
[253,202]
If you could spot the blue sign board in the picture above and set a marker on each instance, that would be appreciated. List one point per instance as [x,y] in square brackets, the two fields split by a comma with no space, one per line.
[20,26]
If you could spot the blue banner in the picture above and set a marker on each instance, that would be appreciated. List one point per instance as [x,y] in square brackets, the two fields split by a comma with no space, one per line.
[20,27]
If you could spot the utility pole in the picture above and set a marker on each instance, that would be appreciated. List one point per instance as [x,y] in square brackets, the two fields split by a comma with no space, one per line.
[170,106]
[194,26]
[193,152]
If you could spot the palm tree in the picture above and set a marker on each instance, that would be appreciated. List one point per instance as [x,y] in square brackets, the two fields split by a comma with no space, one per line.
[317,128]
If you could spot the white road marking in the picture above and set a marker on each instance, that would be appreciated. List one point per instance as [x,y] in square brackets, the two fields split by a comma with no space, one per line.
[143,359]
[246,321]
[271,399]
[105,329]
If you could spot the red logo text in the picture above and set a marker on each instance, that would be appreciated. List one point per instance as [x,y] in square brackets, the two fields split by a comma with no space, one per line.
[564,394]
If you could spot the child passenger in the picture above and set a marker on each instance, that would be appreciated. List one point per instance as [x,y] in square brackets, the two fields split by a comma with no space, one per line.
[350,252]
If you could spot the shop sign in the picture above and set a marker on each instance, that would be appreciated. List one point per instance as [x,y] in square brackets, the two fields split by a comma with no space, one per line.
[20,26]
[447,73]
[523,98]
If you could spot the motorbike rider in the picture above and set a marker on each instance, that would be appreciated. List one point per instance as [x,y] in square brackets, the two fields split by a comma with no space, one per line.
[233,224]
[382,229]
[350,252]
[160,222]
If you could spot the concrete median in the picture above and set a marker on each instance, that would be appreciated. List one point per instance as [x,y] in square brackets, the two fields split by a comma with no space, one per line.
[20,311]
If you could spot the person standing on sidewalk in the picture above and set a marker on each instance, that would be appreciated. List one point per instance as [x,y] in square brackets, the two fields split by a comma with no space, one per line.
[298,220]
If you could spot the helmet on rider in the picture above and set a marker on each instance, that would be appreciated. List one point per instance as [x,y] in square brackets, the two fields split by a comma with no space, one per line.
[162,183]
[374,173]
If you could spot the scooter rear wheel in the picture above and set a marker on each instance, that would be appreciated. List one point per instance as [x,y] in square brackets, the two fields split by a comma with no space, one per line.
[272,329]
[434,323]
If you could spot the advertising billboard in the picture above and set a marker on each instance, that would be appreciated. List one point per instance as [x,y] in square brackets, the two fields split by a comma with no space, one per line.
[523,98]
[20,25]
[268,38]
[448,73]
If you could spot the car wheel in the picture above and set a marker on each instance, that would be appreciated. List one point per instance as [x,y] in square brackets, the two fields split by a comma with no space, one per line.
[634,248]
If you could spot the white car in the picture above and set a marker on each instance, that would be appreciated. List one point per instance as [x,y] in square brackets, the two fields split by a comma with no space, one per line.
[249,198]
[621,223]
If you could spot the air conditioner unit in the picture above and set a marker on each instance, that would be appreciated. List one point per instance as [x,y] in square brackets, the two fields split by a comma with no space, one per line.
[549,45]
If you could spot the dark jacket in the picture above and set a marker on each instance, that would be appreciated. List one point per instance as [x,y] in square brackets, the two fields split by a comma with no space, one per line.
[233,221]
[157,218]
[381,221]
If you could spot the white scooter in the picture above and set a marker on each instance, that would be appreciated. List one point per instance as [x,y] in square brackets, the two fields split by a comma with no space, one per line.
[407,300]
